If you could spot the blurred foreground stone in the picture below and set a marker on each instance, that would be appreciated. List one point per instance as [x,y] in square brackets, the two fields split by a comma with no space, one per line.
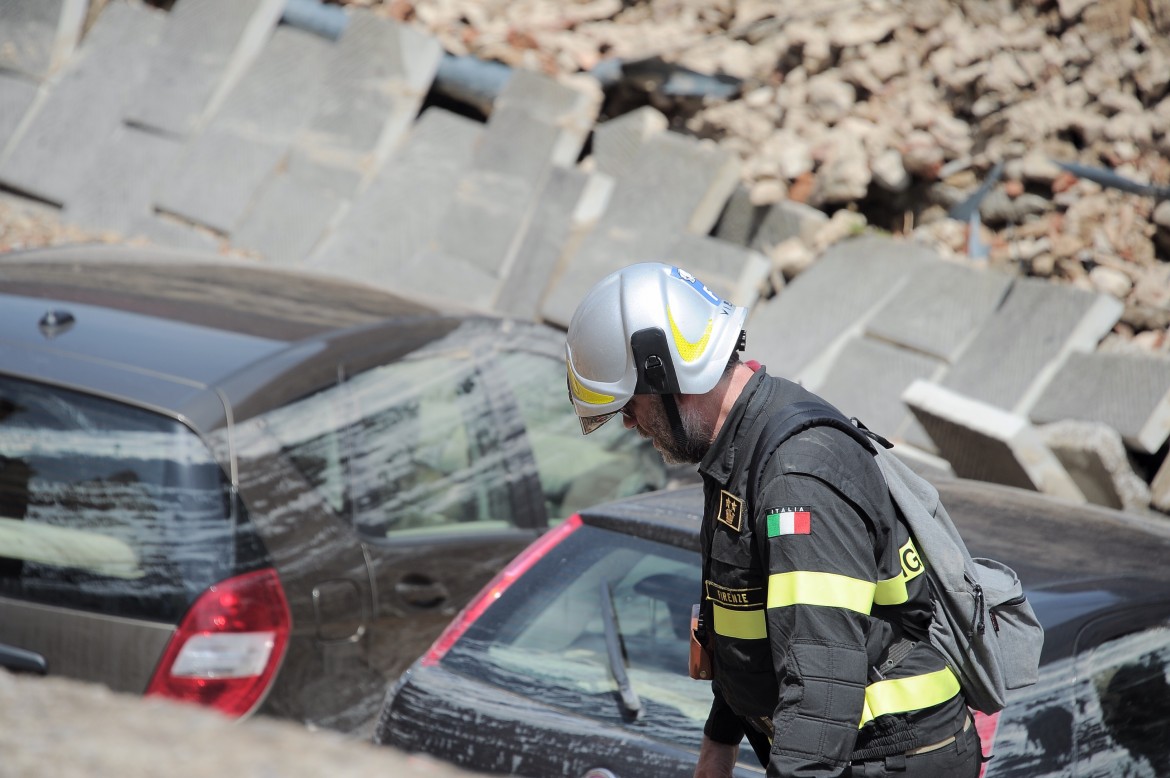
[61,728]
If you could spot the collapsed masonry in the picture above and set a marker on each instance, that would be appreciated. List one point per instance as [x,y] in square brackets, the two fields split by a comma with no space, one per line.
[213,125]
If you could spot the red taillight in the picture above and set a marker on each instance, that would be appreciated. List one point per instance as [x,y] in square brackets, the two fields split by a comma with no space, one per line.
[228,646]
[490,593]
[986,726]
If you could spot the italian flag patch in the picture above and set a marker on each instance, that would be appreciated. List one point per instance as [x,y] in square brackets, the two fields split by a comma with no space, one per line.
[789,521]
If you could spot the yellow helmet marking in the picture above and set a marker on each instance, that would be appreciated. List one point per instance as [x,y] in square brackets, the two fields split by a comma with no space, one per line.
[688,350]
[584,393]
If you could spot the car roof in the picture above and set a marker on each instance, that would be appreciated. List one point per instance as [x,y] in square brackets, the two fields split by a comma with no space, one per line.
[184,333]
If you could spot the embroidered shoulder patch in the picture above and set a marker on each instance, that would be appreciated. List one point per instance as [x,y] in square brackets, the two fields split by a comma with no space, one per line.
[730,510]
[789,520]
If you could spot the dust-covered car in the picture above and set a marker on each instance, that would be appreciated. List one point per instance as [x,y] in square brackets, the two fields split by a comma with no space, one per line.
[573,661]
[261,490]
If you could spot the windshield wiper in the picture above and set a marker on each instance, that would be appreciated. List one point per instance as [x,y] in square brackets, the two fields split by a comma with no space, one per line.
[631,704]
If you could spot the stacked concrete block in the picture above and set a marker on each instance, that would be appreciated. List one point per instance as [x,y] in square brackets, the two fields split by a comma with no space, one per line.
[1020,347]
[17,96]
[618,142]
[223,167]
[1160,488]
[1096,459]
[76,124]
[1128,392]
[928,316]
[867,381]
[38,36]
[537,124]
[374,82]
[386,236]
[800,332]
[784,220]
[539,254]
[205,49]
[676,185]
[986,443]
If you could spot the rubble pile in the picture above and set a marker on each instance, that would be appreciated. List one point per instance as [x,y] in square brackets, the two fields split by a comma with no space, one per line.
[899,111]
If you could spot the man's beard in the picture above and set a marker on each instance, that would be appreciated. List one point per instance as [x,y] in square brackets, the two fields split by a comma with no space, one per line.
[696,440]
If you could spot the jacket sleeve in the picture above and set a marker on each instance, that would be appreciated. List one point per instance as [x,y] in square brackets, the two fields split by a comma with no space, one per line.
[821,576]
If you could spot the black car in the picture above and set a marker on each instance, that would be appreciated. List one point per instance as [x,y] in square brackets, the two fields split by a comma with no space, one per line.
[573,661]
[264,491]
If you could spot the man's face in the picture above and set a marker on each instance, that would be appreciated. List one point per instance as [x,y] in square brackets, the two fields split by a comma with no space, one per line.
[647,414]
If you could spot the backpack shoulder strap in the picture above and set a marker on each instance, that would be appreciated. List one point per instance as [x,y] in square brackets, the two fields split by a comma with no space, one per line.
[796,418]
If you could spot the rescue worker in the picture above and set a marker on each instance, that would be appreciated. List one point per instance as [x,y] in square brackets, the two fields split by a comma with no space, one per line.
[814,609]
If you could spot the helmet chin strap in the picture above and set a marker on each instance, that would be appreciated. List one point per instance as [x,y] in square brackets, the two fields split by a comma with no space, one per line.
[674,416]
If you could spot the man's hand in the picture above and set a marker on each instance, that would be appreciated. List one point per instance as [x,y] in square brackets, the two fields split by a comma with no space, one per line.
[716,760]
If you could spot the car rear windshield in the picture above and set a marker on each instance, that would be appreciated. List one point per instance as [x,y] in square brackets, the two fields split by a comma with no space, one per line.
[545,637]
[107,508]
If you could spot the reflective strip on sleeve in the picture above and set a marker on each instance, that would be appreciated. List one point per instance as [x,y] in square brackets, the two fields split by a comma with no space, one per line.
[827,589]
[901,695]
[744,624]
[892,591]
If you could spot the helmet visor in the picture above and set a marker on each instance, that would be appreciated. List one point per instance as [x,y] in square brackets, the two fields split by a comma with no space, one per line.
[590,423]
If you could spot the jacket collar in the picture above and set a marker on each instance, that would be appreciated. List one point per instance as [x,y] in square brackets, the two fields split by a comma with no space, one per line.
[719,463]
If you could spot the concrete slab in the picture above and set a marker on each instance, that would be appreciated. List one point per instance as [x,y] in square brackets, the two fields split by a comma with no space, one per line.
[618,142]
[63,138]
[205,49]
[537,123]
[287,220]
[986,443]
[677,185]
[17,96]
[492,208]
[375,81]
[215,178]
[740,218]
[799,332]
[1019,348]
[162,230]
[1095,457]
[38,36]
[224,167]
[571,105]
[1160,488]
[1128,392]
[787,219]
[539,254]
[933,316]
[117,191]
[400,212]
[867,381]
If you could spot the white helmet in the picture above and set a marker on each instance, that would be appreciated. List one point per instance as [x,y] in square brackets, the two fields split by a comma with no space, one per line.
[649,328]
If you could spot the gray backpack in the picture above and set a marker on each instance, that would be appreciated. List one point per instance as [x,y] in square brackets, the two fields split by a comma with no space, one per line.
[983,624]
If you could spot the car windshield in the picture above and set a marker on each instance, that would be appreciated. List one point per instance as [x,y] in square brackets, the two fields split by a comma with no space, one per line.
[545,637]
[106,508]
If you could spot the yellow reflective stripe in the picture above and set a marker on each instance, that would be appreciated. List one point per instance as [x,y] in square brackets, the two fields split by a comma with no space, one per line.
[687,350]
[900,695]
[749,625]
[892,591]
[828,589]
[584,393]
